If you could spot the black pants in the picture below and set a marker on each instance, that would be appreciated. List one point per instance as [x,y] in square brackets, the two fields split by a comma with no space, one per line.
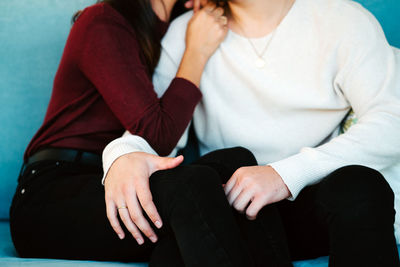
[59,212]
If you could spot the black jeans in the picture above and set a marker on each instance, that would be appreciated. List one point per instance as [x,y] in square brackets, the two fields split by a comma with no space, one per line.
[59,212]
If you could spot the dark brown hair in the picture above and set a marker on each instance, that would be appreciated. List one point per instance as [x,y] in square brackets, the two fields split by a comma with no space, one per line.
[141,17]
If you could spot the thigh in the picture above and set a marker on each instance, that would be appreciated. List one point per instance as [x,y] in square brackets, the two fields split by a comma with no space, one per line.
[59,212]
[303,221]
[194,208]
[264,237]
[348,215]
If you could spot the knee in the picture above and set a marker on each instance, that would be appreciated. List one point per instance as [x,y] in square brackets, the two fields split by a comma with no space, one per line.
[359,182]
[185,189]
[242,156]
[226,161]
[234,157]
[358,191]
[179,180]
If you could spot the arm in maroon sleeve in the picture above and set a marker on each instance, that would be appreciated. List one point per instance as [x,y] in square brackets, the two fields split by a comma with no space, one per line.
[110,59]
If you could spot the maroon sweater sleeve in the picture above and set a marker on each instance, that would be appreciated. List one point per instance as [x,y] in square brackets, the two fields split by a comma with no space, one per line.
[111,60]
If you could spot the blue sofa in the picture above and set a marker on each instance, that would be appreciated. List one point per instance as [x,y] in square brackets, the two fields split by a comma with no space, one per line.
[32,37]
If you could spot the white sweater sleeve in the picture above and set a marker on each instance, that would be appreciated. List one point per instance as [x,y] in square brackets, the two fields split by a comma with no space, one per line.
[126,144]
[369,78]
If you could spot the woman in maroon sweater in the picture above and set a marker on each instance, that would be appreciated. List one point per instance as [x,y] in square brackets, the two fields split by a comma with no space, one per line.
[102,88]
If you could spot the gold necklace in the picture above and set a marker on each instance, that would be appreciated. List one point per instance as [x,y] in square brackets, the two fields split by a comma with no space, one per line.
[260,61]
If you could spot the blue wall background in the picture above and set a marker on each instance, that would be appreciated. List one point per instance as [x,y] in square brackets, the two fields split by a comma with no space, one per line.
[32,38]
[388,14]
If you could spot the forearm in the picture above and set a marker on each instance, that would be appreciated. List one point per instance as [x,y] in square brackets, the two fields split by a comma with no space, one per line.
[164,122]
[192,66]
[373,142]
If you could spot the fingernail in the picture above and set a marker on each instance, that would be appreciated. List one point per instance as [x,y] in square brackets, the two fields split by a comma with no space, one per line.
[140,241]
[158,224]
[153,239]
[121,236]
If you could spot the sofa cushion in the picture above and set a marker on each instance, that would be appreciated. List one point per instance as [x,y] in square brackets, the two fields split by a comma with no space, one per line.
[33,35]
[8,256]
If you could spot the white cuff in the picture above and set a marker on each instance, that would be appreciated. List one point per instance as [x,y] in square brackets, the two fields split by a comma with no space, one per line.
[303,169]
[122,146]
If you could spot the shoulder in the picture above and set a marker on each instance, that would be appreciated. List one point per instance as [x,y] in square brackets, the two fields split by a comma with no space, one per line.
[182,21]
[102,14]
[173,43]
[343,28]
[177,30]
[346,20]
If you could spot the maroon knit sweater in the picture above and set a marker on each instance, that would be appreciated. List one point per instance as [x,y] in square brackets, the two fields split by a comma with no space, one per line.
[102,88]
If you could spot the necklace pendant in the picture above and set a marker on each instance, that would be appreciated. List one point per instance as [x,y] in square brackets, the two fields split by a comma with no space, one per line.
[260,63]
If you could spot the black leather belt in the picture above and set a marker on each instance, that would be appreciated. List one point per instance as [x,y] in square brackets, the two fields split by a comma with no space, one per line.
[61,154]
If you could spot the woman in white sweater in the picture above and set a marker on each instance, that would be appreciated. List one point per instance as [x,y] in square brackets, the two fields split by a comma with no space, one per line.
[280,84]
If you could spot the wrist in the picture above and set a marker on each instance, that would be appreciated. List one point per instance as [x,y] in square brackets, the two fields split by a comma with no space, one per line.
[283,188]
[195,56]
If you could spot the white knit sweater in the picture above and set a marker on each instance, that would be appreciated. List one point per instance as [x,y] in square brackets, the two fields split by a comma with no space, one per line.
[326,57]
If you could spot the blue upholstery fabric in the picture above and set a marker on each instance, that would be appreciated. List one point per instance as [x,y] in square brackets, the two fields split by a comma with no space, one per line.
[32,37]
[387,12]
[8,257]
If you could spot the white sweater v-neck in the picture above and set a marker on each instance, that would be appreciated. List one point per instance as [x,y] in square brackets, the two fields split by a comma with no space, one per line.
[327,56]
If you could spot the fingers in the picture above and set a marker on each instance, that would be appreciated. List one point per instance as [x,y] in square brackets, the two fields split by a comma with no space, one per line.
[126,219]
[242,201]
[189,4]
[196,5]
[111,210]
[218,15]
[218,12]
[209,7]
[239,197]
[132,177]
[214,11]
[136,217]
[231,183]
[256,205]
[146,201]
[163,163]
[234,193]
[223,20]
[205,33]
[169,163]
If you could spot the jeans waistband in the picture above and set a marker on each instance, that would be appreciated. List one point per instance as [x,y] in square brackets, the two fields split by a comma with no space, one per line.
[62,155]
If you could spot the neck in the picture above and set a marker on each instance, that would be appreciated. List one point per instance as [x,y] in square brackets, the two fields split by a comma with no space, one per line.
[257,17]
[163,8]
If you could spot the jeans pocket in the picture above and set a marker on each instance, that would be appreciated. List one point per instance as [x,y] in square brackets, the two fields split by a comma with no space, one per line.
[31,180]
